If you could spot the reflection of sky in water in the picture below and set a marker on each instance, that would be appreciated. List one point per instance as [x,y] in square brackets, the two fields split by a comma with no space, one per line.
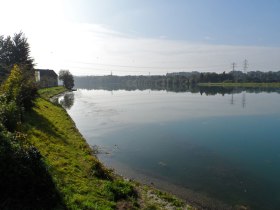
[224,146]
[160,106]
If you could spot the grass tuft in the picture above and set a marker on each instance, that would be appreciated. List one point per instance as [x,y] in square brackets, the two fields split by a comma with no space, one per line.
[120,190]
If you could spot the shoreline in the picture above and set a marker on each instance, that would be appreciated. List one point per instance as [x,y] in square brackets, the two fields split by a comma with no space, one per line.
[77,171]
[197,200]
[142,179]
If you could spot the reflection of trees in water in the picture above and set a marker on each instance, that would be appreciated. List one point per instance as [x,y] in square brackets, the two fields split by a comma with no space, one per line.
[212,90]
[67,101]
[173,88]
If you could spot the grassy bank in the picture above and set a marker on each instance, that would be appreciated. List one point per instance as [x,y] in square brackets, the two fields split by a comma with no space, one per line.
[240,84]
[82,181]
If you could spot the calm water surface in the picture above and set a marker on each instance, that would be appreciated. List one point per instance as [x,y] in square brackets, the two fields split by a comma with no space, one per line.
[223,147]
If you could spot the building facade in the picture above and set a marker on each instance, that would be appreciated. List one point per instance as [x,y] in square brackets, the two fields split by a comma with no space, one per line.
[46,78]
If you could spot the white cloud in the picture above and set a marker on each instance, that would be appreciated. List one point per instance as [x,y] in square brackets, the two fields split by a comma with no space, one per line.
[94,49]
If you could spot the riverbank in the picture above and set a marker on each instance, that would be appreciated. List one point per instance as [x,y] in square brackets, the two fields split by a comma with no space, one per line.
[82,181]
[240,84]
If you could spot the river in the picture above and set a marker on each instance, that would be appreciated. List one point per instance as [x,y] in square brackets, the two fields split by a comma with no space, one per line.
[208,146]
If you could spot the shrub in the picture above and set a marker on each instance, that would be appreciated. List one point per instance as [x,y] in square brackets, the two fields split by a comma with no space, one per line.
[25,181]
[121,190]
[10,113]
[20,87]
[98,170]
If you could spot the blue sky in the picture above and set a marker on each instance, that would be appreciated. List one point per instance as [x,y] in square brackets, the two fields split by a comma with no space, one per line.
[235,22]
[141,36]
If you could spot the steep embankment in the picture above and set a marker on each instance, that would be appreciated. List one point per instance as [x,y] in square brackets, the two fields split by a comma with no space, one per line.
[82,181]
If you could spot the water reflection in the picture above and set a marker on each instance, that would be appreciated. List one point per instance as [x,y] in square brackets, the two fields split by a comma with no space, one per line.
[207,90]
[67,100]
[244,99]
[233,99]
[203,90]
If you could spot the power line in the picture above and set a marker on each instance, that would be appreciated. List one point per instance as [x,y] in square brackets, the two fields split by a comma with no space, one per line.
[105,69]
[122,70]
[143,67]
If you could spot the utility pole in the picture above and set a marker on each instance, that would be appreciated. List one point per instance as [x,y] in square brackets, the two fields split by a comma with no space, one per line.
[233,66]
[245,67]
[233,71]
[234,79]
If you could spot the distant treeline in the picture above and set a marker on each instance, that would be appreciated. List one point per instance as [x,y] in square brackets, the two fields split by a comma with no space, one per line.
[131,83]
[180,79]
[239,76]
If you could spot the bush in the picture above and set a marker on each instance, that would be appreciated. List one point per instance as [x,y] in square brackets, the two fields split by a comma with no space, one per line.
[29,92]
[121,190]
[10,114]
[98,170]
[20,87]
[25,181]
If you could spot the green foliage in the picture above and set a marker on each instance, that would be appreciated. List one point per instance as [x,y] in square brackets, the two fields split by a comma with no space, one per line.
[12,86]
[170,198]
[21,51]
[121,190]
[151,207]
[98,170]
[25,180]
[67,78]
[13,51]
[10,114]
[19,87]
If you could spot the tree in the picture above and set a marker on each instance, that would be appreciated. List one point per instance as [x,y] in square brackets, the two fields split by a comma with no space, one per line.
[20,87]
[67,78]
[13,51]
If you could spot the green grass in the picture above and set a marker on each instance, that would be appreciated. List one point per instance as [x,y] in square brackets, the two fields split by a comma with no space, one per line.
[169,198]
[240,84]
[47,93]
[83,182]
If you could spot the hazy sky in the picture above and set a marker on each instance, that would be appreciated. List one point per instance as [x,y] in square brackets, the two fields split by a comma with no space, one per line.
[95,37]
